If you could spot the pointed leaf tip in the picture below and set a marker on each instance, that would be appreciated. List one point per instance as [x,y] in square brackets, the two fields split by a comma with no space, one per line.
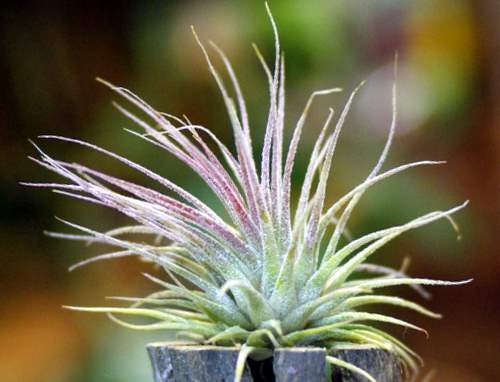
[70,307]
[195,34]
[105,83]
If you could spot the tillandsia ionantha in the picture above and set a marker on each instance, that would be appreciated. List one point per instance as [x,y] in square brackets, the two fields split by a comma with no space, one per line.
[264,275]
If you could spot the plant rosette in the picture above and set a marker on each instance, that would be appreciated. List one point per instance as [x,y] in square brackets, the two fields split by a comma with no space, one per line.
[280,288]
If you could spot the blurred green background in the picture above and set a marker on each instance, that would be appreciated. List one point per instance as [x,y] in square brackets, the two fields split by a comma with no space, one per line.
[449,86]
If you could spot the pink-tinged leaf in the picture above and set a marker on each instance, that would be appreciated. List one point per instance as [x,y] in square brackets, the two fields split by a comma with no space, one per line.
[292,151]
[211,171]
[217,228]
[163,181]
[51,185]
[249,173]
[270,228]
[312,167]
[276,175]
[82,197]
[237,89]
[231,162]
[169,227]
[272,115]
[199,163]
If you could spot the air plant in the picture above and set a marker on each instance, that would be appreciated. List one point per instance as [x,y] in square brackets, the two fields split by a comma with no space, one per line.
[265,275]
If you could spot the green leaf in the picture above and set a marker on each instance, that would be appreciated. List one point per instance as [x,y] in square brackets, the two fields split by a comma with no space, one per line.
[350,366]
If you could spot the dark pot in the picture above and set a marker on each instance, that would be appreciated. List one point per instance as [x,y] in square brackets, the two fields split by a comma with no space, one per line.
[173,362]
